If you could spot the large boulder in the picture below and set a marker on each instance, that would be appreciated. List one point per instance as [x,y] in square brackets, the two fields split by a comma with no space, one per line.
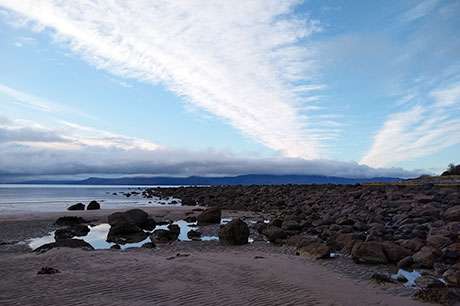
[211,215]
[426,257]
[132,217]
[78,206]
[316,250]
[70,220]
[453,213]
[394,252]
[93,205]
[236,232]
[162,236]
[274,233]
[77,230]
[370,252]
[65,243]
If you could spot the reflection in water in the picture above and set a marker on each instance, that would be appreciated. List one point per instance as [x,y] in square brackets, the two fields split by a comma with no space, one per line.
[98,234]
[411,276]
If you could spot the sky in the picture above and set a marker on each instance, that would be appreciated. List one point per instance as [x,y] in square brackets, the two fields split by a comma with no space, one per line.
[344,88]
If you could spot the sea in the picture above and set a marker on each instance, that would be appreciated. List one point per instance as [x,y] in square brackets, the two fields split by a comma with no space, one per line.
[15,198]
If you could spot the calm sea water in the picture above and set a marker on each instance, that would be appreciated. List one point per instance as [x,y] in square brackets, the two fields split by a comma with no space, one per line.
[28,198]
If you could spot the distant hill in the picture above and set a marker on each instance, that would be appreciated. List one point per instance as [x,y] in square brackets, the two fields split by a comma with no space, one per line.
[250,179]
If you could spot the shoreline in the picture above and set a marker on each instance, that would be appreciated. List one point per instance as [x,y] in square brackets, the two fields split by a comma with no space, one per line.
[210,266]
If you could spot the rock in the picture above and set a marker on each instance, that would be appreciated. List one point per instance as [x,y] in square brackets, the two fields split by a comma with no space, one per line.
[453,213]
[405,263]
[345,241]
[236,232]
[274,233]
[316,250]
[291,225]
[65,243]
[175,230]
[78,206]
[437,241]
[425,257]
[452,275]
[194,235]
[93,205]
[124,238]
[115,247]
[48,270]
[162,235]
[69,220]
[190,219]
[210,216]
[382,278]
[71,231]
[369,252]
[149,245]
[412,244]
[451,254]
[432,290]
[394,252]
[136,217]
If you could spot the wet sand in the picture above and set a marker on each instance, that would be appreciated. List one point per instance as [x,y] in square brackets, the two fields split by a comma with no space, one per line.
[211,274]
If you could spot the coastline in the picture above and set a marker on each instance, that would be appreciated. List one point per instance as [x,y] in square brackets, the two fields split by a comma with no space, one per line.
[211,273]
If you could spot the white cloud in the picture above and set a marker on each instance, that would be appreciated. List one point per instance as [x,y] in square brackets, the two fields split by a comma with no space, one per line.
[420,10]
[30,149]
[66,137]
[239,61]
[25,99]
[420,131]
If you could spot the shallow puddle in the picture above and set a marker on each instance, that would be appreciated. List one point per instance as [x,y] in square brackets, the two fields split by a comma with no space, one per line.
[411,276]
[98,234]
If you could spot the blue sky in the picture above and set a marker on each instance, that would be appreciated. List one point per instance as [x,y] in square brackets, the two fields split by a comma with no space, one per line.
[370,87]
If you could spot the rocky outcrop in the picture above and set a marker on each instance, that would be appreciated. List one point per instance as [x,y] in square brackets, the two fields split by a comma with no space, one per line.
[65,243]
[93,205]
[70,220]
[78,206]
[210,216]
[236,232]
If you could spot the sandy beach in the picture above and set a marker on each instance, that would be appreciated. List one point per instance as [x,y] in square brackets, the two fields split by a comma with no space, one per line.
[178,273]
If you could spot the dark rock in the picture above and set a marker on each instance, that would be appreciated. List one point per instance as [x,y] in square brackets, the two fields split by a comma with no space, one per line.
[70,220]
[394,252]
[236,232]
[369,252]
[77,230]
[162,235]
[65,243]
[405,263]
[78,206]
[194,235]
[382,278]
[210,216]
[426,257]
[93,205]
[453,213]
[48,270]
[274,233]
[124,238]
[149,245]
[115,247]
[136,217]
[190,219]
[316,250]
[452,275]
[175,230]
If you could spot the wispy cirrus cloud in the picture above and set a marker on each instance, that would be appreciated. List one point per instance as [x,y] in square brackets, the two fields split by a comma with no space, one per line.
[249,63]
[422,130]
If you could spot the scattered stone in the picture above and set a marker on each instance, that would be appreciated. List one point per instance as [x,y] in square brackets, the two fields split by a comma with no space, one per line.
[115,247]
[77,230]
[194,235]
[78,206]
[65,243]
[93,205]
[48,270]
[369,252]
[162,236]
[70,220]
[382,278]
[149,245]
[211,215]
[236,232]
